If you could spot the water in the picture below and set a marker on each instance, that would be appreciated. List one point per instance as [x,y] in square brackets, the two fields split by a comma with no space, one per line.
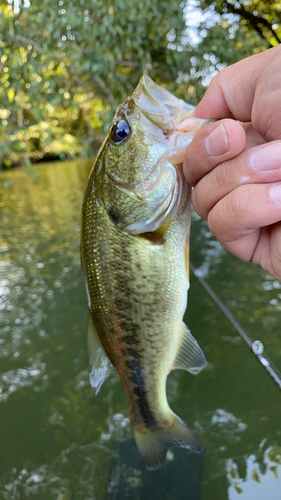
[59,441]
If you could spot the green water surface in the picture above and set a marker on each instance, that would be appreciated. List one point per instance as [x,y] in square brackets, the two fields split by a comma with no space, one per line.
[60,442]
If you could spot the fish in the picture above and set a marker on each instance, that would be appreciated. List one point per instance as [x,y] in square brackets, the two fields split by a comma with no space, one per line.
[135,259]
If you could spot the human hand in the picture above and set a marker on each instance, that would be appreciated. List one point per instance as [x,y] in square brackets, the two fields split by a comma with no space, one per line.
[236,170]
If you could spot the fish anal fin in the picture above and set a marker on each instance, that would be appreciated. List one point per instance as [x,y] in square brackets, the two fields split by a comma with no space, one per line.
[190,356]
[153,444]
[99,364]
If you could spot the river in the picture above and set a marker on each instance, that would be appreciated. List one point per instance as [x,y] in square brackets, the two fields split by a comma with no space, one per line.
[61,442]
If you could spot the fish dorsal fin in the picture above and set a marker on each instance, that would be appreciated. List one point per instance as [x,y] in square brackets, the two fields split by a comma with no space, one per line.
[99,364]
[190,356]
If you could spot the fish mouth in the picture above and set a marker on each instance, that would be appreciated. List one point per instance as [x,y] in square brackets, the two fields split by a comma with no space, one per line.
[160,106]
[173,125]
[171,115]
[165,120]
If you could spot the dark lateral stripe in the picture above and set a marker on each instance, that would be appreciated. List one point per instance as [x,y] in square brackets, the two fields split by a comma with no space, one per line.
[140,396]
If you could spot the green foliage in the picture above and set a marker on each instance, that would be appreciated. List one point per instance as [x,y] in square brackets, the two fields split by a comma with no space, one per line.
[258,17]
[66,65]
[236,29]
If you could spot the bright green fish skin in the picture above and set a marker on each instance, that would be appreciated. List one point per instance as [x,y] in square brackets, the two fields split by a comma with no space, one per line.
[134,250]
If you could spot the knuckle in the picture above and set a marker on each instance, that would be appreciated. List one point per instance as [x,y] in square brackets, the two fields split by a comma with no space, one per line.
[272,127]
[228,211]
[239,201]
[266,114]
[214,223]
[220,77]
[197,205]
[221,176]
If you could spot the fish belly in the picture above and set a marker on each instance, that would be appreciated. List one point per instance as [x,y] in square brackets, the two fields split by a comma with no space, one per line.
[137,292]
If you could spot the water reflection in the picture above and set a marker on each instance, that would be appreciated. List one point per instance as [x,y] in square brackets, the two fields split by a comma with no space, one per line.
[38,236]
[261,479]
[211,252]
[59,441]
[179,478]
[251,294]
[78,472]
[14,380]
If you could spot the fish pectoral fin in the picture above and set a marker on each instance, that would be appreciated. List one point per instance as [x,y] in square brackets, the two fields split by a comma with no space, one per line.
[190,356]
[157,236]
[99,364]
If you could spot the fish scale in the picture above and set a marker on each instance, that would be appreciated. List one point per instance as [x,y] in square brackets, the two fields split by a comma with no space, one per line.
[135,266]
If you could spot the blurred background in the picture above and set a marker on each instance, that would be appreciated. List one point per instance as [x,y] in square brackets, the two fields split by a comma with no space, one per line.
[66,65]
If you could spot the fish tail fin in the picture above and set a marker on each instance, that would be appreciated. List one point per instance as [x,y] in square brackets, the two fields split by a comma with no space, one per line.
[153,444]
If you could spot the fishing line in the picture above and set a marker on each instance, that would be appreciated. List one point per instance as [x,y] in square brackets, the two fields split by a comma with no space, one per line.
[256,347]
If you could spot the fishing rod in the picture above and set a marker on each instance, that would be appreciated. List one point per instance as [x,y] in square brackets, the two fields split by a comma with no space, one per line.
[255,346]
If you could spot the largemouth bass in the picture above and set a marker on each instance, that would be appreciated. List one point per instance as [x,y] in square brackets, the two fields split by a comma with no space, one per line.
[134,248]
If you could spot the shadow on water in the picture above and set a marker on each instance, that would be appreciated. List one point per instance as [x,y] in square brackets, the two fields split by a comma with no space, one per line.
[60,442]
[180,478]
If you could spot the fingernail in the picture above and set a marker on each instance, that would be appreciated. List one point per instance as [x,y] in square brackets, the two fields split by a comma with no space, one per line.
[275,192]
[266,158]
[216,142]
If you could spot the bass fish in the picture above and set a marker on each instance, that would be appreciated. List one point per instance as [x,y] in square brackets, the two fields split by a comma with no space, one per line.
[134,249]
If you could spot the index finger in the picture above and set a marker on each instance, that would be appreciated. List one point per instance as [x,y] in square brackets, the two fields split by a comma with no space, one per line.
[231,92]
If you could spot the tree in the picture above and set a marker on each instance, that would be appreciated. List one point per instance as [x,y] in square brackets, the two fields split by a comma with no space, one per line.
[234,29]
[66,65]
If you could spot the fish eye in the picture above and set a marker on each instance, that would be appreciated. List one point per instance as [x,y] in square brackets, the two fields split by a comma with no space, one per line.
[120,131]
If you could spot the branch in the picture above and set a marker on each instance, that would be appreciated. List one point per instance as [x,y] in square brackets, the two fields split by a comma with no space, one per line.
[254,20]
[135,64]
[30,41]
[105,89]
[125,83]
